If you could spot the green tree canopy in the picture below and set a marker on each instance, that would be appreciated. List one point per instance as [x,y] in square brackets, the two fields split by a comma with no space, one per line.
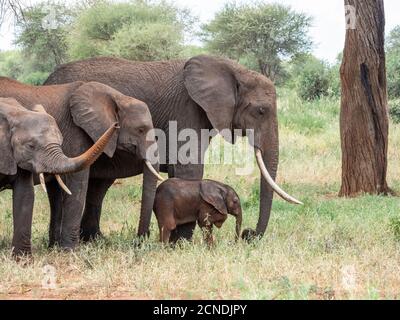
[393,63]
[259,35]
[136,30]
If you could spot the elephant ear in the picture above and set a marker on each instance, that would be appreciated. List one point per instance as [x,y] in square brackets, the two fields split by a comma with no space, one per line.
[211,83]
[94,108]
[8,165]
[211,193]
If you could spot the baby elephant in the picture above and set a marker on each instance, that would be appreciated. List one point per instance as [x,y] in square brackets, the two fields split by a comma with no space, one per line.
[208,202]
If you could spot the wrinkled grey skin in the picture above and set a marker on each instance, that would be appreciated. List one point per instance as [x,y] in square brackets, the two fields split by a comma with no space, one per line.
[83,112]
[204,92]
[206,202]
[30,143]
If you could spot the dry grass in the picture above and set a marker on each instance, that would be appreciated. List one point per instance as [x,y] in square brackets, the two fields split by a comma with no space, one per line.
[329,248]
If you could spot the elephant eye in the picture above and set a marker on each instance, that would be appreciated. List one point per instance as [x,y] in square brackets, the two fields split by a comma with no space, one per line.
[261,110]
[141,130]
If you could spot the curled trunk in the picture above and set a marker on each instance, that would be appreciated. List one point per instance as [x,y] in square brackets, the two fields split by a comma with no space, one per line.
[58,163]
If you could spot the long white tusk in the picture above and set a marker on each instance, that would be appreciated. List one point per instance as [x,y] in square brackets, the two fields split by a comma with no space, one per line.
[62,184]
[271,181]
[153,171]
[42,182]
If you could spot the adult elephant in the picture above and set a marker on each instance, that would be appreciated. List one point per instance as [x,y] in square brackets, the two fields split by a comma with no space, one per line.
[30,143]
[83,112]
[203,92]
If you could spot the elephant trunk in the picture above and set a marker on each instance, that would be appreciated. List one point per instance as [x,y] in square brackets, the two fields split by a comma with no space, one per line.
[238,224]
[266,193]
[267,160]
[148,195]
[58,163]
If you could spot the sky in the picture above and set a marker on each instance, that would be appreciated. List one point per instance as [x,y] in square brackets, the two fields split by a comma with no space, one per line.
[327,31]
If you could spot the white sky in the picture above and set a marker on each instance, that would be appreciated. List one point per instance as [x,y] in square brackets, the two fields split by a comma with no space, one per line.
[327,31]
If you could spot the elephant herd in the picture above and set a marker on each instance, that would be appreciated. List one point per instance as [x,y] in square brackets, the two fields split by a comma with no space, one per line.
[92,123]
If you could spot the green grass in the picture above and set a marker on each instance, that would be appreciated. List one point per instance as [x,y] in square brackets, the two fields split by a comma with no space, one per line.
[306,254]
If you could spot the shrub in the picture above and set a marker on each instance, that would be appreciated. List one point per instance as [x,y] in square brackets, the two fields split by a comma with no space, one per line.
[393,74]
[394,110]
[35,78]
[11,64]
[395,226]
[314,81]
[313,78]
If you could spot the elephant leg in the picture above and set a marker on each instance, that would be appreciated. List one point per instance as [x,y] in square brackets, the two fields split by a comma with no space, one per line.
[164,235]
[183,232]
[72,208]
[208,235]
[193,172]
[90,225]
[54,194]
[23,200]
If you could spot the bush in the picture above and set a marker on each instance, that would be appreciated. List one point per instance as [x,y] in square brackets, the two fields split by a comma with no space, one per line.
[313,82]
[313,78]
[394,110]
[393,74]
[395,226]
[35,78]
[11,64]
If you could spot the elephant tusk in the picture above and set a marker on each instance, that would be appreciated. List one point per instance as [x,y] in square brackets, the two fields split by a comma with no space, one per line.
[153,171]
[271,181]
[42,182]
[62,185]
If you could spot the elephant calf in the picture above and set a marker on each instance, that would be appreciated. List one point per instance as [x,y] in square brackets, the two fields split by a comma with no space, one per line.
[208,202]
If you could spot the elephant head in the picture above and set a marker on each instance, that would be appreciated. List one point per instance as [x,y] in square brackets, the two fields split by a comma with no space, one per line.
[236,98]
[225,200]
[95,106]
[31,140]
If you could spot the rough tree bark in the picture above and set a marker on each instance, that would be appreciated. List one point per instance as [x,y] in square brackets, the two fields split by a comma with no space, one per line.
[364,121]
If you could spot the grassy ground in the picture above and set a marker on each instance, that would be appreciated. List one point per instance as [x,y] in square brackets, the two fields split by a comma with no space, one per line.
[330,248]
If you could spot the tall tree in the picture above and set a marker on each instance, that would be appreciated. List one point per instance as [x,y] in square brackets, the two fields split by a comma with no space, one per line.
[364,112]
[42,33]
[260,35]
[136,30]
[11,7]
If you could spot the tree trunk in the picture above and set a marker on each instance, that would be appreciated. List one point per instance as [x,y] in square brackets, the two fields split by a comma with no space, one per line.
[364,120]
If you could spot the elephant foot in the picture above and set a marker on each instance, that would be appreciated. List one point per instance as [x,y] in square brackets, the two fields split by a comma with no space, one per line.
[53,243]
[22,256]
[140,240]
[91,235]
[249,235]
